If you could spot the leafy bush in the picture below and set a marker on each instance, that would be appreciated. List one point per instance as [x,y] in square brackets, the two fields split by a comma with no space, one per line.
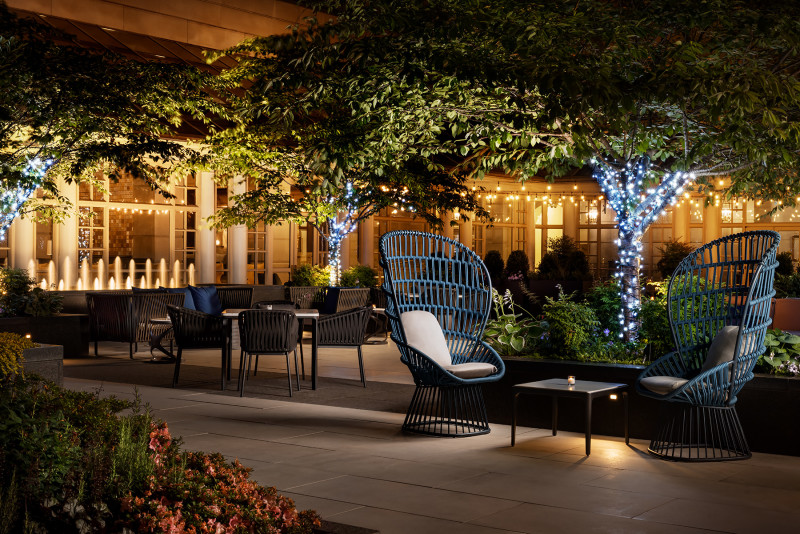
[572,325]
[19,295]
[605,301]
[359,276]
[517,265]
[785,264]
[310,275]
[512,333]
[782,354]
[563,261]
[11,348]
[655,329]
[68,463]
[672,253]
[494,264]
[787,285]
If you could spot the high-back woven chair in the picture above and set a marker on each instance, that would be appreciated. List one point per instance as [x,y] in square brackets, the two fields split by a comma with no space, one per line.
[430,273]
[148,306]
[232,297]
[265,332]
[197,330]
[718,304]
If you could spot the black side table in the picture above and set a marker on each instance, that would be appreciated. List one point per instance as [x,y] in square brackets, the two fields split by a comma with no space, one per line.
[558,387]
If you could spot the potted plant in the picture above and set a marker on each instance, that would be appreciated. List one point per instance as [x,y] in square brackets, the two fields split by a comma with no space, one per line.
[27,309]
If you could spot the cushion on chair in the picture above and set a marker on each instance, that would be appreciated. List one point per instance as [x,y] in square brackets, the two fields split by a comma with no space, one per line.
[722,348]
[471,369]
[662,385]
[206,299]
[424,333]
[188,302]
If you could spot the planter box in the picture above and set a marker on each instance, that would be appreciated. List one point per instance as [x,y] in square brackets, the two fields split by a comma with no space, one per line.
[766,406]
[46,361]
[68,329]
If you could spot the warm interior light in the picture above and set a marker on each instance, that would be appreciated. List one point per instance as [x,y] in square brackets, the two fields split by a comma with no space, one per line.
[613,396]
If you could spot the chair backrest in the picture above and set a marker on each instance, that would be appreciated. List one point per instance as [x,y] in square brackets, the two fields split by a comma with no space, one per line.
[343,329]
[235,297]
[147,306]
[304,296]
[110,317]
[725,282]
[267,331]
[352,297]
[195,329]
[429,272]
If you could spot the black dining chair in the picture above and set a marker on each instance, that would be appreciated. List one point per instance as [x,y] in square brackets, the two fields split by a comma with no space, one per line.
[197,330]
[345,329]
[284,305]
[267,332]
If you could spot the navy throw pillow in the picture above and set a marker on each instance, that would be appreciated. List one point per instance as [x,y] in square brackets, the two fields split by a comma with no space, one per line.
[188,301]
[206,299]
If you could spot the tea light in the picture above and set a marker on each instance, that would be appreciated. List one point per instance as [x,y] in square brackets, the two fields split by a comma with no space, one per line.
[571,380]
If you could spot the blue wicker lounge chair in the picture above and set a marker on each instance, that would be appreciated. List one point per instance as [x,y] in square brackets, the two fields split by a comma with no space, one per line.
[438,301]
[718,303]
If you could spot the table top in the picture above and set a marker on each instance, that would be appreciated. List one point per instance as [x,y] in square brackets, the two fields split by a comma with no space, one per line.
[301,313]
[560,385]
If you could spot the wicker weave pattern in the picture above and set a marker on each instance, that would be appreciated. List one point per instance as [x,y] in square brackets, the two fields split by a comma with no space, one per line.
[432,273]
[725,282]
[148,306]
[267,331]
[304,296]
[343,329]
[235,297]
[197,330]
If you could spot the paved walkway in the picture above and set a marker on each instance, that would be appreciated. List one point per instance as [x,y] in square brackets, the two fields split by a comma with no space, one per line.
[354,466]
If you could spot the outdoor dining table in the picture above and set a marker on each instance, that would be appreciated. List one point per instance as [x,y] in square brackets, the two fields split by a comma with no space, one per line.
[300,314]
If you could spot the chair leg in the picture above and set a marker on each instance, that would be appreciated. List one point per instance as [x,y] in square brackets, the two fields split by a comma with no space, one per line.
[302,358]
[240,380]
[255,369]
[177,367]
[447,411]
[699,434]
[224,368]
[130,350]
[243,376]
[361,366]
[289,373]
[296,371]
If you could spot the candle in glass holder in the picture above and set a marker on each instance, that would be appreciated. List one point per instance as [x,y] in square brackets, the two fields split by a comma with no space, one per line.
[571,380]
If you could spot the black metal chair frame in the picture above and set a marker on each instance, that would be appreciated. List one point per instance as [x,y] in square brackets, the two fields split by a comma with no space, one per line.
[197,330]
[428,272]
[267,332]
[345,329]
[727,282]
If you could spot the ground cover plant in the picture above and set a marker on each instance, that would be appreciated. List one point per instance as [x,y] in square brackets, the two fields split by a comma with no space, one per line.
[75,462]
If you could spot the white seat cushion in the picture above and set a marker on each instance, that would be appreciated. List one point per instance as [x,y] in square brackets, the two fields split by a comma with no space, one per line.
[722,347]
[471,369]
[663,385]
[424,333]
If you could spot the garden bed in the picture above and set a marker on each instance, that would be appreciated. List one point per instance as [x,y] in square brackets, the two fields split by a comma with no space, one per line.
[766,406]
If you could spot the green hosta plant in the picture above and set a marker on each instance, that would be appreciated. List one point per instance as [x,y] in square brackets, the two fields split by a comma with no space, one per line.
[783,353]
[514,330]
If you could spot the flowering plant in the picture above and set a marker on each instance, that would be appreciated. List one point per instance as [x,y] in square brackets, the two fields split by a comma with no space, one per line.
[513,330]
[782,354]
[197,492]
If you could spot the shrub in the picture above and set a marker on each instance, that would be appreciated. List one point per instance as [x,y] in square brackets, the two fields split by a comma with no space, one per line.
[20,296]
[512,333]
[359,276]
[787,286]
[604,300]
[310,275]
[785,263]
[655,329]
[563,261]
[517,265]
[11,348]
[68,463]
[572,325]
[782,354]
[672,253]
[494,264]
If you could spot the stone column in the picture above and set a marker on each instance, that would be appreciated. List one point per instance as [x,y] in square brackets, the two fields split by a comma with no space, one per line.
[268,248]
[206,250]
[23,246]
[366,241]
[237,240]
[680,222]
[447,230]
[465,231]
[712,223]
[66,253]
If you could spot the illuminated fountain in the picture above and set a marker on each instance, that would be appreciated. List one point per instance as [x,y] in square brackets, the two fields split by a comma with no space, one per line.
[148,273]
[175,281]
[51,273]
[162,273]
[101,274]
[190,274]
[131,273]
[118,268]
[85,271]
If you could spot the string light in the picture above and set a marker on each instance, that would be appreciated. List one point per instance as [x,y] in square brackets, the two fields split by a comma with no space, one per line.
[11,200]
[635,208]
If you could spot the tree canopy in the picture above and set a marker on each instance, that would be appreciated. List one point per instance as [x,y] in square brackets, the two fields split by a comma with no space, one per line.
[66,111]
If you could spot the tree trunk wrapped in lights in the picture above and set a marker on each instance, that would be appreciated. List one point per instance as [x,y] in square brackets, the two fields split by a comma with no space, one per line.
[638,199]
